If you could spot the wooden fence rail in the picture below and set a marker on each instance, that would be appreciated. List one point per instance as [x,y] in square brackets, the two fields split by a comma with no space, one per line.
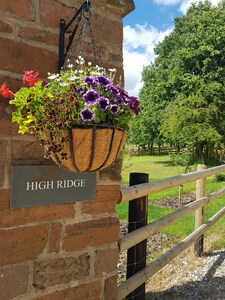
[146,231]
[140,190]
[141,234]
[132,283]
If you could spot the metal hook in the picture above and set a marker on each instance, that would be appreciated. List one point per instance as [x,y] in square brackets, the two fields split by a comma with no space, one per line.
[87,5]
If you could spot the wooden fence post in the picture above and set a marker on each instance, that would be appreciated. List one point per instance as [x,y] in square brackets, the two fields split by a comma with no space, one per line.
[199,213]
[138,217]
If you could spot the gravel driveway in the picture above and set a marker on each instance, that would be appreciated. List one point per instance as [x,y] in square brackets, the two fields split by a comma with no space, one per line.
[188,277]
[205,282]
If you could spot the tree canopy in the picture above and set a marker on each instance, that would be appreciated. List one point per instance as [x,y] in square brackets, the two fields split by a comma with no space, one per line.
[183,94]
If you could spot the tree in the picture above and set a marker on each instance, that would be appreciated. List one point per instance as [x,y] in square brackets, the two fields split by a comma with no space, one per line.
[185,84]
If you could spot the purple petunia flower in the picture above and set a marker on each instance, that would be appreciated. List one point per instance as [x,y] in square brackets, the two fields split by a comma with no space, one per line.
[103,103]
[122,96]
[102,80]
[80,91]
[44,83]
[133,105]
[91,97]
[114,109]
[119,99]
[87,115]
[90,80]
[114,90]
[122,92]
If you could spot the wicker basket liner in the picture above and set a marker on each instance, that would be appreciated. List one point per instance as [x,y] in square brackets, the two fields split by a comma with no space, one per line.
[91,149]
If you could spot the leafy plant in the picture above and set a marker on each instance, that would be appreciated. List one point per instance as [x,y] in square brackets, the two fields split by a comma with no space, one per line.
[182,98]
[184,159]
[219,178]
[82,96]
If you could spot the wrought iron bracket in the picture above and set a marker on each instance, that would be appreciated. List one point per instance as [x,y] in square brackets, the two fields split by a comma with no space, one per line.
[65,28]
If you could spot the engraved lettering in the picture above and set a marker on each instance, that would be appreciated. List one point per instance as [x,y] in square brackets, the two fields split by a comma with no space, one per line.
[50,185]
[83,183]
[30,186]
[42,185]
[59,184]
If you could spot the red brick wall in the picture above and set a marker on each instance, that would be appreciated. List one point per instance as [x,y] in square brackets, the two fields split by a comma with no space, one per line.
[61,251]
[57,251]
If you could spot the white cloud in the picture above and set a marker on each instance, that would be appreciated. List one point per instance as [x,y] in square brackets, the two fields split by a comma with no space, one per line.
[185,4]
[139,43]
[133,66]
[138,51]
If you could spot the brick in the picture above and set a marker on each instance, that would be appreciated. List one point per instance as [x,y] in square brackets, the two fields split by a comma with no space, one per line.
[113,172]
[106,260]
[20,57]
[4,162]
[19,8]
[13,281]
[91,233]
[88,53]
[122,7]
[109,28]
[52,11]
[4,199]
[20,244]
[110,289]
[15,217]
[61,270]
[27,150]
[87,291]
[55,237]
[107,197]
[5,27]
[116,58]
[38,35]
[6,127]
[6,111]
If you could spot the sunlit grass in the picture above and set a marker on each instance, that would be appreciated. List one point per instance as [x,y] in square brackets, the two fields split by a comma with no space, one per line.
[159,167]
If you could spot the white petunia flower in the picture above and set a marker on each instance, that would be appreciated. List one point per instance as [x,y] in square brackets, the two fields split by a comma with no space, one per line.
[73,78]
[53,76]
[63,84]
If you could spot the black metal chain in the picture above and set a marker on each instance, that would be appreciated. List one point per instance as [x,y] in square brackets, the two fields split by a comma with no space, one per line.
[83,14]
[80,40]
[86,26]
[93,43]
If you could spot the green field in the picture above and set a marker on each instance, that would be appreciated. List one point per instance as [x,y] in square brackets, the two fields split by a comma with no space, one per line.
[159,167]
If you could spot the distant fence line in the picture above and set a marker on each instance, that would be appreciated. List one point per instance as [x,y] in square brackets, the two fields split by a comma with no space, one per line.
[164,150]
[136,151]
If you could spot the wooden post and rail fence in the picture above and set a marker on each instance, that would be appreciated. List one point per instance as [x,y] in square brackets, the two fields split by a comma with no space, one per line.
[139,230]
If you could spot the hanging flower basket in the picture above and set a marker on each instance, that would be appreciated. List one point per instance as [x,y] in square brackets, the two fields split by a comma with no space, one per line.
[79,116]
[90,148]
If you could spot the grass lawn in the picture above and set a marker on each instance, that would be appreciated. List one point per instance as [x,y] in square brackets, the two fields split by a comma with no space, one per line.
[159,167]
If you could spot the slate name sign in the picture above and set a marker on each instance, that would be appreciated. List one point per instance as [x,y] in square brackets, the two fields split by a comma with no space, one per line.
[43,185]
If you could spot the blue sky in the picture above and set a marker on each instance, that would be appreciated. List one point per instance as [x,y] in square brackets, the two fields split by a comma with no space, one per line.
[147,25]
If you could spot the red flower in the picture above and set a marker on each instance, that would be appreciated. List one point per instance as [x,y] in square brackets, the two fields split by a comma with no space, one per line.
[6,93]
[30,77]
